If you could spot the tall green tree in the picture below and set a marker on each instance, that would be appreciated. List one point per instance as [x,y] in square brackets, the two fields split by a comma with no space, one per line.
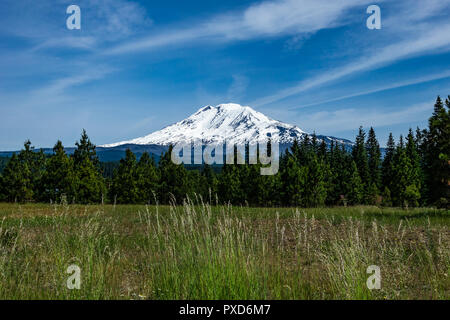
[90,183]
[404,192]
[16,180]
[147,178]
[125,186]
[355,192]
[388,166]
[229,186]
[35,167]
[59,177]
[374,163]
[208,186]
[436,165]
[412,153]
[173,183]
[314,188]
[23,173]
[374,158]
[85,149]
[292,179]
[2,189]
[359,154]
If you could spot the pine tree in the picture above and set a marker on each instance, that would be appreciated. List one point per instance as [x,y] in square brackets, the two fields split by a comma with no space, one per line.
[415,176]
[209,185]
[339,163]
[34,164]
[355,187]
[89,180]
[314,143]
[314,188]
[388,164]
[89,183]
[125,182]
[229,186]
[23,173]
[322,152]
[147,178]
[374,159]
[59,176]
[173,184]
[2,189]
[16,180]
[85,149]
[403,182]
[359,155]
[292,181]
[295,150]
[250,183]
[436,165]
[386,197]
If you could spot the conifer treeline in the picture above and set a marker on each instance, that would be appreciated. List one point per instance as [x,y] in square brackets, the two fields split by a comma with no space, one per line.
[414,171]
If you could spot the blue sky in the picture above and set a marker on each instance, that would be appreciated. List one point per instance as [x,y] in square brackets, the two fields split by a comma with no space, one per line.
[137,66]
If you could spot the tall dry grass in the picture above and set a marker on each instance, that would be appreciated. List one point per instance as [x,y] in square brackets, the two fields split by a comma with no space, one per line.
[199,251]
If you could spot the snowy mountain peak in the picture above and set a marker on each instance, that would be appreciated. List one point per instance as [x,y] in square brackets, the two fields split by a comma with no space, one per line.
[230,122]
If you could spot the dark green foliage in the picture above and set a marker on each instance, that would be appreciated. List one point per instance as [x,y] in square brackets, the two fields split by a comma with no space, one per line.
[436,153]
[173,182]
[359,154]
[229,186]
[59,177]
[355,188]
[108,168]
[374,159]
[208,184]
[386,197]
[388,164]
[85,149]
[90,185]
[147,179]
[292,180]
[22,175]
[415,176]
[125,183]
[3,162]
[17,186]
[404,190]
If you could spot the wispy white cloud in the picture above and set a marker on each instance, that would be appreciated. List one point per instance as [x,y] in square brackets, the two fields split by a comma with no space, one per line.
[391,86]
[265,19]
[58,87]
[341,120]
[414,30]
[86,43]
[237,88]
[117,18]
[436,38]
[102,21]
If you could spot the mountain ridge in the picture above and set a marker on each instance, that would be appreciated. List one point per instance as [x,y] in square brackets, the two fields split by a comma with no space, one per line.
[225,123]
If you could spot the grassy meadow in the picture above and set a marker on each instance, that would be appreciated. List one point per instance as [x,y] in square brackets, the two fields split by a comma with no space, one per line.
[198,251]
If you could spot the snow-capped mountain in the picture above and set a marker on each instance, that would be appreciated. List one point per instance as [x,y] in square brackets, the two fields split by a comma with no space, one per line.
[230,123]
